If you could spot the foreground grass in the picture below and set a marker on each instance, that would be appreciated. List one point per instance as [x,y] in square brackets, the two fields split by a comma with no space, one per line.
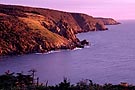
[20,81]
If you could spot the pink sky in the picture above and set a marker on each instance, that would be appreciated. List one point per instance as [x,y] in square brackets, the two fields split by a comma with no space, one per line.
[117,9]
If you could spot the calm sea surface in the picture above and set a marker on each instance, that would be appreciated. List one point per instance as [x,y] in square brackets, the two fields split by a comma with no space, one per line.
[109,59]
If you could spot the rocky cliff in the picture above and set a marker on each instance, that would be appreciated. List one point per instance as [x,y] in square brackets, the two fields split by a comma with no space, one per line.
[27,30]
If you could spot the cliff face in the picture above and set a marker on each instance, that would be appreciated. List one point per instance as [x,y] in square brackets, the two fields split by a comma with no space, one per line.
[88,23]
[28,30]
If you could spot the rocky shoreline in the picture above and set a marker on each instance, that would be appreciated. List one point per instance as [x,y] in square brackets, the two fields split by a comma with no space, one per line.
[37,30]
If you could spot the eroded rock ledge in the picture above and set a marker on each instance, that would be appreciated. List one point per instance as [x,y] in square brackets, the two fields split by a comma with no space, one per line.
[28,30]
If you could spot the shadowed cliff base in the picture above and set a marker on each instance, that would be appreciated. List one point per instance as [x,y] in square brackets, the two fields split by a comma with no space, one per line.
[28,30]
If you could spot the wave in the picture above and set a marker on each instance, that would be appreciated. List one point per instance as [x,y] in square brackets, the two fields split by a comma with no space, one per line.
[56,51]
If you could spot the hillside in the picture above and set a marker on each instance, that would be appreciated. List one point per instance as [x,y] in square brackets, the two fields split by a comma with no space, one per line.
[27,29]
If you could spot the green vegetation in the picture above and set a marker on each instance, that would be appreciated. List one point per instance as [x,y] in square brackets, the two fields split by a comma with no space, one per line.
[20,81]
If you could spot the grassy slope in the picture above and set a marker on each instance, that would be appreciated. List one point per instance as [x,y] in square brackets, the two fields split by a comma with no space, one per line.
[24,35]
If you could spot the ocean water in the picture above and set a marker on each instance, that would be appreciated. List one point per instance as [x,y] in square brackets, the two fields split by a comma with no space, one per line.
[109,59]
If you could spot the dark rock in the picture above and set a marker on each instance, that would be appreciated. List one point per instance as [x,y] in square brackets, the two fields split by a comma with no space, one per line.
[84,42]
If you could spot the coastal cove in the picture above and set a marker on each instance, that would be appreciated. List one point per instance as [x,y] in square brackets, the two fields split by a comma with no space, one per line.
[109,59]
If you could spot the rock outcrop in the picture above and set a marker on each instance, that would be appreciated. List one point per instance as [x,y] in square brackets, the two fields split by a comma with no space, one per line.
[27,30]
